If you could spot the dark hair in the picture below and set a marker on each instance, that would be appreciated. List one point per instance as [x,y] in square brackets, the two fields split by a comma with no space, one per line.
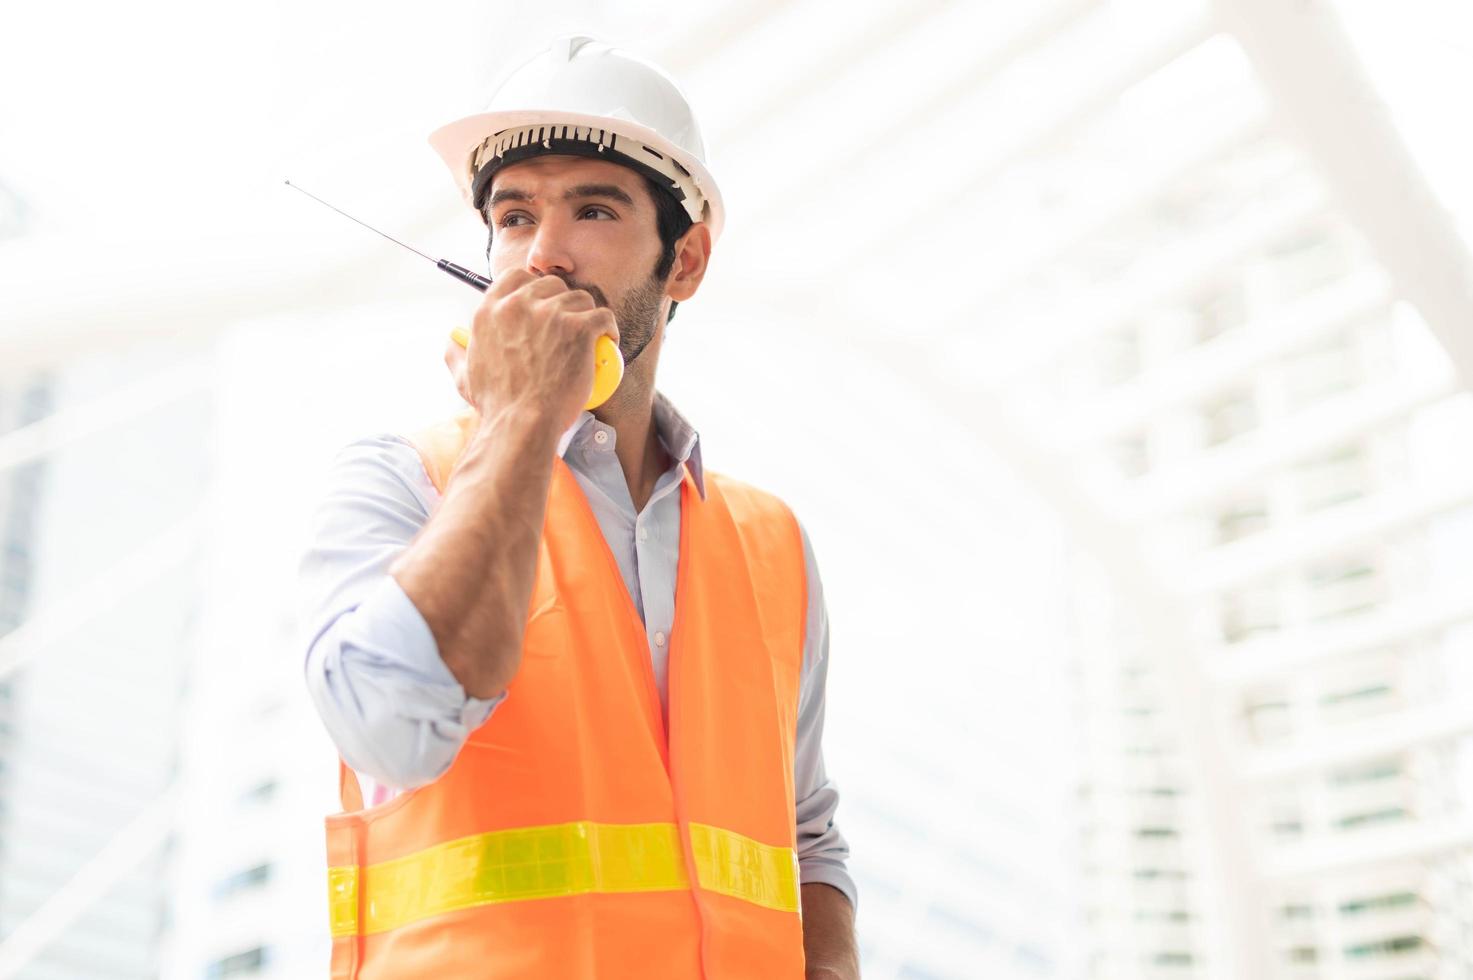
[671,221]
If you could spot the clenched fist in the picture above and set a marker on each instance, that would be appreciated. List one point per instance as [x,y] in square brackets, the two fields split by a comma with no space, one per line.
[531,348]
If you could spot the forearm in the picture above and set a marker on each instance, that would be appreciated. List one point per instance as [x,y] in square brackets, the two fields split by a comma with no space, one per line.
[829,946]
[471,570]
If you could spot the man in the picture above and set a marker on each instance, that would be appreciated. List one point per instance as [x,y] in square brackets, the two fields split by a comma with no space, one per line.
[579,679]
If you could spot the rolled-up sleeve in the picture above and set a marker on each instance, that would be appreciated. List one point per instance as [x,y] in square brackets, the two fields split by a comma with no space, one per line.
[373,669]
[822,850]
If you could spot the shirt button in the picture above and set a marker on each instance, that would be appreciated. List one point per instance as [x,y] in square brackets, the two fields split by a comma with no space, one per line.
[660,638]
[642,534]
[600,437]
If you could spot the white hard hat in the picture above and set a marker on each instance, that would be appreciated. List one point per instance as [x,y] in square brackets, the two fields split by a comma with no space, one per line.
[586,98]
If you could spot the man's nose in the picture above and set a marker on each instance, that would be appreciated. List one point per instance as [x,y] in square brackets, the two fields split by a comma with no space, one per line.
[547,255]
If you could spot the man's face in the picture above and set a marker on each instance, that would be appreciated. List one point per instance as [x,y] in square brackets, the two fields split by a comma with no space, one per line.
[589,222]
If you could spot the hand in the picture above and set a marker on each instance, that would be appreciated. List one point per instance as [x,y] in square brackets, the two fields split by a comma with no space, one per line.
[531,346]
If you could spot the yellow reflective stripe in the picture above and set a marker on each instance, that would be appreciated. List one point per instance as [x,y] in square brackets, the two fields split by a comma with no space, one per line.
[741,867]
[561,859]
[342,900]
[510,866]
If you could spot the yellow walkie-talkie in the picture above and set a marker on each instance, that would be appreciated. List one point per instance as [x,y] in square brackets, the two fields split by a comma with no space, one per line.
[608,366]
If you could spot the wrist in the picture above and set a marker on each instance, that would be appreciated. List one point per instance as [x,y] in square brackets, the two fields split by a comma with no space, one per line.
[518,419]
[507,448]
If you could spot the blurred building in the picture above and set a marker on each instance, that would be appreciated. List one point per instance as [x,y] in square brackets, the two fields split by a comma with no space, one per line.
[1273,652]
[257,770]
[93,702]
[20,491]
[13,213]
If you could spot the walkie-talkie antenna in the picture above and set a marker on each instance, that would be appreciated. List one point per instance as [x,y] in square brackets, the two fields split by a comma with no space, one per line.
[445,265]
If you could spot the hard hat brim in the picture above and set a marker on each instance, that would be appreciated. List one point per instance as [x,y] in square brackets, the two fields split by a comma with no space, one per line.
[456,141]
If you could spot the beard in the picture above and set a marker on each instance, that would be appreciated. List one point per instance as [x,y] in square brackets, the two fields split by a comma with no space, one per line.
[636,313]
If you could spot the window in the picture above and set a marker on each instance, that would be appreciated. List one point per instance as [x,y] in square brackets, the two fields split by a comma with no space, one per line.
[1172,958]
[243,881]
[1303,264]
[1163,792]
[1342,587]
[1248,612]
[1267,715]
[1156,833]
[1361,701]
[1286,826]
[1383,947]
[1371,772]
[1371,818]
[262,792]
[1317,374]
[1241,519]
[1220,310]
[238,964]
[1230,417]
[1153,874]
[1379,903]
[1333,478]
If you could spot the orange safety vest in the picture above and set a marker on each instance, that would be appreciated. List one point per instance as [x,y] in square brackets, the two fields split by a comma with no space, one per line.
[568,841]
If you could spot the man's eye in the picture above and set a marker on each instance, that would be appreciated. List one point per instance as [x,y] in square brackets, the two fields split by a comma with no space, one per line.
[512,218]
[595,210]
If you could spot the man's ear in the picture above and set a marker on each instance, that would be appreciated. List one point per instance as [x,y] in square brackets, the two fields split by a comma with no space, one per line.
[692,252]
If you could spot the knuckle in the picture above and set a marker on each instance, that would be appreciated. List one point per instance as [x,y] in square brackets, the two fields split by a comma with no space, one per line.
[510,283]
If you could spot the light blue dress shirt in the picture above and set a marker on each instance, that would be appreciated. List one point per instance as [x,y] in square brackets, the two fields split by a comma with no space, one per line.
[389,702]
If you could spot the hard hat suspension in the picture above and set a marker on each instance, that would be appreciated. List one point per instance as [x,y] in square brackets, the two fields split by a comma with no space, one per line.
[513,145]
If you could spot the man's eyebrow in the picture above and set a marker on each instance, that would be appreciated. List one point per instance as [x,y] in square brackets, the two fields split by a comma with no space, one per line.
[612,191]
[507,194]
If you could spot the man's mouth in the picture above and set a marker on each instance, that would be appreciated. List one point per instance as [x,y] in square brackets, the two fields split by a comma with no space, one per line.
[589,288]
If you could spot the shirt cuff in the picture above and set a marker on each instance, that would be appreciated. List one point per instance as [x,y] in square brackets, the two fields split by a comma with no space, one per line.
[405,629]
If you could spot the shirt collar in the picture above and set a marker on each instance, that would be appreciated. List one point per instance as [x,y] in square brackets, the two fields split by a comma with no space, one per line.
[675,433]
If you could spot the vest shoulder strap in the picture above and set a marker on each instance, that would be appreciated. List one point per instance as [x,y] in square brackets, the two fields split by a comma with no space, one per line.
[770,535]
[350,794]
[748,503]
[441,444]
